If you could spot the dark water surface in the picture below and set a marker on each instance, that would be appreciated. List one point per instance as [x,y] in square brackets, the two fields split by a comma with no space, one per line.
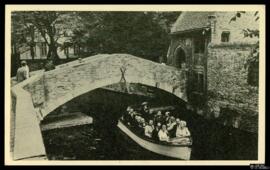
[104,141]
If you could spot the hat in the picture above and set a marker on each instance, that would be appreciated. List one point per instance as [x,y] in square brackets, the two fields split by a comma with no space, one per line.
[23,62]
[159,113]
[145,103]
[183,123]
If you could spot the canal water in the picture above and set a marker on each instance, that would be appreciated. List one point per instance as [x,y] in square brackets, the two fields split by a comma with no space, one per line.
[102,140]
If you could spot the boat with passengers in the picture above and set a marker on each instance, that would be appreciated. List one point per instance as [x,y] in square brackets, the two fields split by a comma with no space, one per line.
[175,146]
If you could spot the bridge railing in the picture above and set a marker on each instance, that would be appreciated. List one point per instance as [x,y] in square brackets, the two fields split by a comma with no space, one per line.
[26,139]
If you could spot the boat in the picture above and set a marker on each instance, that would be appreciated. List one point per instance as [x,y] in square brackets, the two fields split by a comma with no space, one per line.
[173,150]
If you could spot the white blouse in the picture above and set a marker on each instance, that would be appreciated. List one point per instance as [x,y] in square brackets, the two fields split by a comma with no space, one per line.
[184,132]
[163,135]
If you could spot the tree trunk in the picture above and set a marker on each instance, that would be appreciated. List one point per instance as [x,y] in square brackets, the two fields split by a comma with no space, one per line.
[32,43]
[32,51]
[52,53]
[15,59]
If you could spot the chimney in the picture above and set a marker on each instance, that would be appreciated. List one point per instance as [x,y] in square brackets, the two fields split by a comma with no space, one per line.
[212,23]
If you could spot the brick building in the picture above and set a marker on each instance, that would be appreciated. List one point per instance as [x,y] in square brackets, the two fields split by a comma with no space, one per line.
[213,51]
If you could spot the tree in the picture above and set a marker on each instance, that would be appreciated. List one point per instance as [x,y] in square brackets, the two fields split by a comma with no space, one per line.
[247,32]
[252,62]
[22,32]
[143,34]
[51,26]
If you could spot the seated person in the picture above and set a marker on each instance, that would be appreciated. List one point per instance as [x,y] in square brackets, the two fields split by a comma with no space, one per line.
[131,117]
[142,123]
[167,117]
[182,130]
[163,134]
[137,119]
[172,126]
[155,131]
[146,111]
[158,117]
[148,130]
[126,117]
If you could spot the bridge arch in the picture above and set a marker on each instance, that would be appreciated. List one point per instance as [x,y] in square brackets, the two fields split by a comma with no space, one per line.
[180,56]
[67,82]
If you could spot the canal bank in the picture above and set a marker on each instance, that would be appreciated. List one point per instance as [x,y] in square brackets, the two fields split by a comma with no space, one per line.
[104,141]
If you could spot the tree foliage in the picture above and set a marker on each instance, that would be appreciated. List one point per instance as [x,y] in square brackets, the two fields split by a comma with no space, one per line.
[252,33]
[144,34]
[50,25]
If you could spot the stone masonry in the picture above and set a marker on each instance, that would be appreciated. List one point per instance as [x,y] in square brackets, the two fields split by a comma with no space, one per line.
[228,87]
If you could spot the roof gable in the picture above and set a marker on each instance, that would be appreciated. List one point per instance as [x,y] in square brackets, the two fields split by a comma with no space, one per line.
[190,21]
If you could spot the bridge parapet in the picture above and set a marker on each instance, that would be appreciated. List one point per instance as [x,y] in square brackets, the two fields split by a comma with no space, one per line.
[26,140]
[62,85]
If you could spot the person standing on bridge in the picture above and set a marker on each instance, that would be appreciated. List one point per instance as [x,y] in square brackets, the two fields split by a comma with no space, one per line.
[22,72]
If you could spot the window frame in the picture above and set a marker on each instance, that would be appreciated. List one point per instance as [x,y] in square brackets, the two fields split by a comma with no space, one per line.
[227,38]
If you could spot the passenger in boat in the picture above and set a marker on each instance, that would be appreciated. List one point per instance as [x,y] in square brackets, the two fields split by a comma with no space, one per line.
[150,115]
[146,111]
[127,117]
[148,130]
[131,118]
[167,117]
[163,134]
[155,131]
[182,130]
[137,119]
[142,123]
[158,117]
[171,126]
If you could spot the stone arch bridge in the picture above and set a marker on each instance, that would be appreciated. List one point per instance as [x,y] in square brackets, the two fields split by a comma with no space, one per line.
[43,92]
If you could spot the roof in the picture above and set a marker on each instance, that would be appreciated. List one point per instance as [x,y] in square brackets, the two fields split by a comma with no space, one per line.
[190,21]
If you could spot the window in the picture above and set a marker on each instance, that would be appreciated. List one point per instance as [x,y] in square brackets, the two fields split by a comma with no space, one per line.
[66,51]
[180,58]
[225,36]
[43,49]
[198,82]
[76,49]
[253,74]
[199,45]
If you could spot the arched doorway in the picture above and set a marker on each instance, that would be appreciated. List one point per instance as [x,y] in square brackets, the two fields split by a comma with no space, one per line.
[180,57]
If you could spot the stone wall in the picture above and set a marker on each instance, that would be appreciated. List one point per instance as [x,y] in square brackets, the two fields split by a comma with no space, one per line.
[228,91]
[235,28]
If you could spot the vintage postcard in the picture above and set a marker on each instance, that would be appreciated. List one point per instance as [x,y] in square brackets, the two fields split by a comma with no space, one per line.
[135,85]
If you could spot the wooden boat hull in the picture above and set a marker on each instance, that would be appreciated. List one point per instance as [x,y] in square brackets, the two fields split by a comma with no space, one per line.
[180,152]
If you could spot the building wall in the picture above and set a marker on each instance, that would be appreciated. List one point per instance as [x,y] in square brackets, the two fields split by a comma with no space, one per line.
[228,87]
[235,28]
[179,41]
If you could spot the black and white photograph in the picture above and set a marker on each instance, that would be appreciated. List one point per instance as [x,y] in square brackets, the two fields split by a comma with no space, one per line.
[134,84]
